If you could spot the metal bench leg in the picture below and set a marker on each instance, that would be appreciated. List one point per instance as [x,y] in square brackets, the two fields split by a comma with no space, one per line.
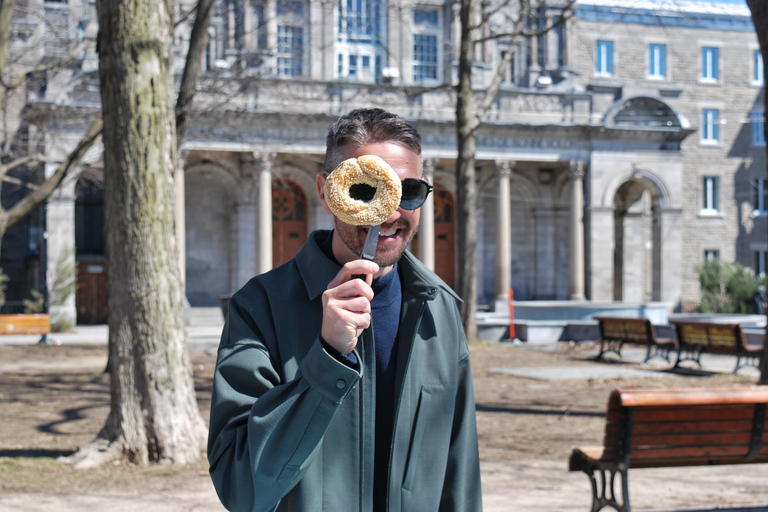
[604,493]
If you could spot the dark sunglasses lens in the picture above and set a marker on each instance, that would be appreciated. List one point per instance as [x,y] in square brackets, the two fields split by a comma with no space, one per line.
[415,192]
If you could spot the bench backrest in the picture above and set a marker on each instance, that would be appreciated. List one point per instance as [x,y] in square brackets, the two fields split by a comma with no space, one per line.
[25,324]
[637,330]
[714,338]
[666,427]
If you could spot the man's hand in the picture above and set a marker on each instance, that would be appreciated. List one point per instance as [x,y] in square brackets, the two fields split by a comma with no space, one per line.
[347,305]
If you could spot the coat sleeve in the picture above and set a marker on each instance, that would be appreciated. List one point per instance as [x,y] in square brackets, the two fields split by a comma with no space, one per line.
[264,431]
[462,490]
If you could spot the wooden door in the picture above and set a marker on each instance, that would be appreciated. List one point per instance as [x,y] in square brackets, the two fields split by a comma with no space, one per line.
[445,212]
[289,220]
[91,295]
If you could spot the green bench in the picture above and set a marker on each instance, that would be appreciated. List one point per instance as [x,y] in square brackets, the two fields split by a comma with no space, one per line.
[696,338]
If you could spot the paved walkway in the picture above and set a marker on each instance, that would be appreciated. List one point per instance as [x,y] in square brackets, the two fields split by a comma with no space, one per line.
[509,486]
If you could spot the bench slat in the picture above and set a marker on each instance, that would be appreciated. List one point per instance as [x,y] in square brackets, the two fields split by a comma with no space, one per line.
[701,440]
[690,452]
[692,415]
[25,324]
[744,425]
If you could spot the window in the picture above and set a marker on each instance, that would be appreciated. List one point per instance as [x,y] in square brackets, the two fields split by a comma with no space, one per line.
[711,255]
[758,73]
[709,64]
[711,195]
[359,44]
[604,58]
[426,50]
[760,263]
[760,200]
[758,128]
[657,61]
[710,126]
[290,50]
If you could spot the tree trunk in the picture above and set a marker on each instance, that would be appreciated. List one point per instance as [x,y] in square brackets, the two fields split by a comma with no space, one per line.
[6,20]
[759,10]
[466,124]
[154,414]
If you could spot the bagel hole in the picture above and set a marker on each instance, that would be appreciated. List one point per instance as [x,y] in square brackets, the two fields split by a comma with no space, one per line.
[362,192]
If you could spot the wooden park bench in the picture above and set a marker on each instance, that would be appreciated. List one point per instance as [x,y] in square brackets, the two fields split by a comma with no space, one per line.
[696,338]
[616,331]
[25,324]
[653,428]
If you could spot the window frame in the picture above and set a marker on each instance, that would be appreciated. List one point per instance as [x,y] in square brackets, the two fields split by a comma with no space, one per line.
[657,64]
[710,67]
[710,196]
[760,197]
[604,57]
[760,262]
[758,68]
[757,120]
[711,255]
[425,28]
[710,127]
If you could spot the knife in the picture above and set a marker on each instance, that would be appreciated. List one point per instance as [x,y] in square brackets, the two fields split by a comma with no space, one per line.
[369,249]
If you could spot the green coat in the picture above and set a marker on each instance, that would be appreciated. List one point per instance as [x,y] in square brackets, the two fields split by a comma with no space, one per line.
[292,429]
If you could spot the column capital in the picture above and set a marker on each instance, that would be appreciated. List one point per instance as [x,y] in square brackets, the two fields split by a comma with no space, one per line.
[428,167]
[264,160]
[504,168]
[577,169]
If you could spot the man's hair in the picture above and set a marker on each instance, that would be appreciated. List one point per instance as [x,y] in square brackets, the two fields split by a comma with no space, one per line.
[367,125]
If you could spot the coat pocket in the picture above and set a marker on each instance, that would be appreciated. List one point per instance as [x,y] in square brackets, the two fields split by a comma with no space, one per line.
[422,420]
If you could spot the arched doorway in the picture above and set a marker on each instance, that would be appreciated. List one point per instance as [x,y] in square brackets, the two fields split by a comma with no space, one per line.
[210,210]
[445,213]
[91,293]
[637,250]
[289,220]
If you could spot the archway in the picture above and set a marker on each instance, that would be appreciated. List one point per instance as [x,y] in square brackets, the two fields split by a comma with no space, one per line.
[637,236]
[210,210]
[289,219]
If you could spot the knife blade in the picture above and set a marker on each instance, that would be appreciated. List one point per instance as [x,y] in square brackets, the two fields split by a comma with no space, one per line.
[369,248]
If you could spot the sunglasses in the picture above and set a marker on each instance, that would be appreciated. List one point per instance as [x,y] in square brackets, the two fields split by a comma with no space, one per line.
[414,194]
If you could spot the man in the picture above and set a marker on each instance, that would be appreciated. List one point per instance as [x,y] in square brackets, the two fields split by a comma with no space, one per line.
[339,394]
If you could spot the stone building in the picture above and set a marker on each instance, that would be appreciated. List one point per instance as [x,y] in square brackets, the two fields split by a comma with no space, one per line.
[624,148]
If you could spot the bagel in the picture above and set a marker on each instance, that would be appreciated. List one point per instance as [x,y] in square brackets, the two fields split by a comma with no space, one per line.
[365,170]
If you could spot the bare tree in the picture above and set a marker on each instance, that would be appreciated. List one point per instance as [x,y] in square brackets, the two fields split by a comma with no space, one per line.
[154,415]
[470,111]
[11,81]
[759,11]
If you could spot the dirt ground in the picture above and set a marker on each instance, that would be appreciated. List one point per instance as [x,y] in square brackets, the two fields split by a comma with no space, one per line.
[60,403]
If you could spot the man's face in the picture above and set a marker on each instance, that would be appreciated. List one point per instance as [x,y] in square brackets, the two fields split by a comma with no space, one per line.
[397,231]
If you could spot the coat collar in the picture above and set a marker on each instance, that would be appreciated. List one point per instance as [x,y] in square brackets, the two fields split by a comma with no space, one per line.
[317,271]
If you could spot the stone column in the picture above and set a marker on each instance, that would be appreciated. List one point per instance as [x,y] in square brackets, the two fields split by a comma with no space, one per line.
[246,227]
[503,236]
[602,247]
[264,162]
[181,219]
[576,232]
[427,221]
[60,248]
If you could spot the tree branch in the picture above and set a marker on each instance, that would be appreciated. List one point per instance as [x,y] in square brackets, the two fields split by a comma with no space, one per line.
[24,160]
[198,40]
[30,202]
[44,67]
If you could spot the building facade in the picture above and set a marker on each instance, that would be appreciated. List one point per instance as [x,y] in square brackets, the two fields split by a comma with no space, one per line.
[624,148]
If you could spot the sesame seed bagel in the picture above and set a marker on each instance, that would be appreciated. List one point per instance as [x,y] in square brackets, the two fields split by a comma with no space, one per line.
[365,170]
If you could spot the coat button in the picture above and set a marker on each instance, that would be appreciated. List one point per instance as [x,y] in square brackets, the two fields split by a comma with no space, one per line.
[341,384]
[432,291]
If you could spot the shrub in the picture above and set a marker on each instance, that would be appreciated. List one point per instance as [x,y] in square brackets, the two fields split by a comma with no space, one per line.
[727,288]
